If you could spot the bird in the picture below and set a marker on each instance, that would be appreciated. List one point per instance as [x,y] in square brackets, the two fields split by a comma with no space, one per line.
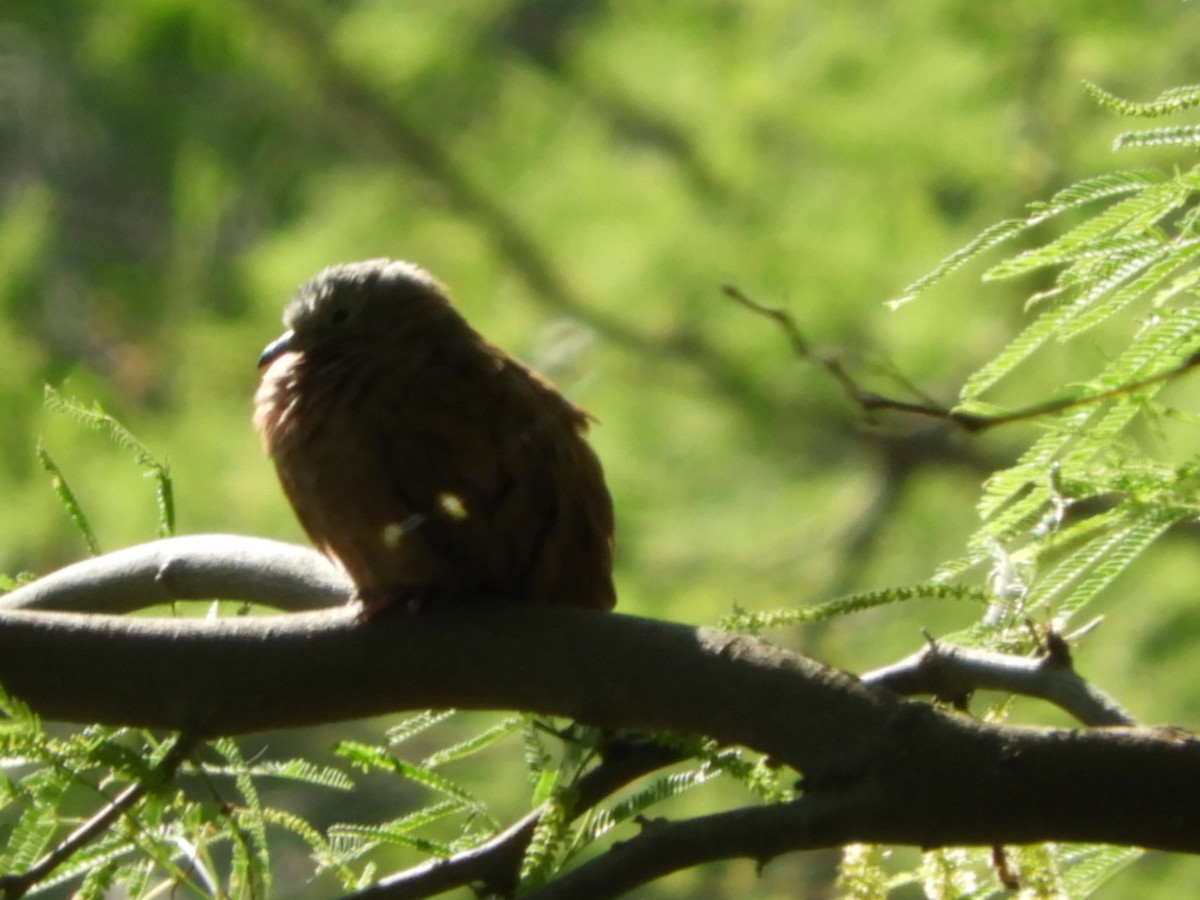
[429,464]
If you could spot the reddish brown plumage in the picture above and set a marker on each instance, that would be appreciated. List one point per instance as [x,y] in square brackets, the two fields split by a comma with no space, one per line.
[425,460]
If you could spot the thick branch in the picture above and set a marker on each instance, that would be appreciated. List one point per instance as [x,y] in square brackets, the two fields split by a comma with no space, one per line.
[821,819]
[197,567]
[895,770]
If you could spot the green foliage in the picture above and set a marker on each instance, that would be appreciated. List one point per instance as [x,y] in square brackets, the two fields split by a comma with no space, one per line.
[757,621]
[562,834]
[1167,103]
[861,873]
[1050,871]
[368,757]
[420,830]
[1090,496]
[1130,267]
[207,842]
[67,497]
[97,419]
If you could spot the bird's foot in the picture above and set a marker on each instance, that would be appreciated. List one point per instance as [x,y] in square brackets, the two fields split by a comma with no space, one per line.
[409,600]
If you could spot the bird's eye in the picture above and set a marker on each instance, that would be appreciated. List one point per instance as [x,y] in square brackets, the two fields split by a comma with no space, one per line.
[339,315]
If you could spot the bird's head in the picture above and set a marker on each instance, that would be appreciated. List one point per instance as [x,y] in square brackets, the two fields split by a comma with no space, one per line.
[358,304]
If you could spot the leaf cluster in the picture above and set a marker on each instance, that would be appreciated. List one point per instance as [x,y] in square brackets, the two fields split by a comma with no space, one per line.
[134,819]
[1105,480]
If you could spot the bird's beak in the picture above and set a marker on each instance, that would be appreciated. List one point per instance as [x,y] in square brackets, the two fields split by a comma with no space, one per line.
[276,348]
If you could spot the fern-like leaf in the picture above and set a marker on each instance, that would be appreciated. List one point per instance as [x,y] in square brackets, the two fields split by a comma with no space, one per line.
[1093,567]
[1099,187]
[1129,217]
[304,772]
[756,622]
[414,725]
[545,850]
[1087,866]
[1173,135]
[1171,101]
[97,419]
[659,790]
[1034,336]
[67,498]
[352,841]
[1163,262]
[991,237]
[251,862]
[473,744]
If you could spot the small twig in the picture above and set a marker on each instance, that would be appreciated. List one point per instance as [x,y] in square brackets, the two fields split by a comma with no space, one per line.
[944,670]
[870,401]
[831,364]
[14,886]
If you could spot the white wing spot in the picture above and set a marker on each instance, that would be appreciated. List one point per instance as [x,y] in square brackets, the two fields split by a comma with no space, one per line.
[393,533]
[452,505]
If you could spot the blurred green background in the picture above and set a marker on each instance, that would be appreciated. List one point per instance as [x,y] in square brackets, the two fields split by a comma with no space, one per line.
[585,176]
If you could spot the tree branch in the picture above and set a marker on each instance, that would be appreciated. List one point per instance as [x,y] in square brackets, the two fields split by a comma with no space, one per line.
[880,768]
[196,567]
[950,672]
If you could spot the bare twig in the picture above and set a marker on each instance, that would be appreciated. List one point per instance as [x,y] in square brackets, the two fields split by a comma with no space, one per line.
[870,401]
